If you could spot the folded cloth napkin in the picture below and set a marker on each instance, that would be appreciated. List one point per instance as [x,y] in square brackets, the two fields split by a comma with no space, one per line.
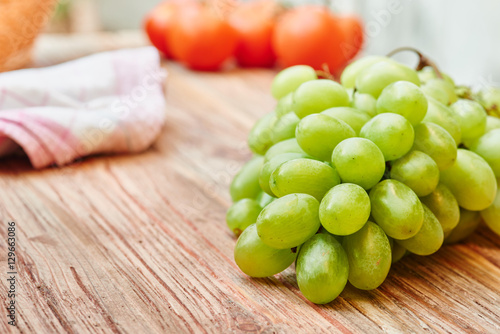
[107,102]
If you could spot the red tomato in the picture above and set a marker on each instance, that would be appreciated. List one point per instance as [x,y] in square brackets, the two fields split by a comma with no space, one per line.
[353,36]
[254,22]
[200,38]
[158,21]
[310,35]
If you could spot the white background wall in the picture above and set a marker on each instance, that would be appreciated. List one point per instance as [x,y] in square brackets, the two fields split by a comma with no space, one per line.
[463,37]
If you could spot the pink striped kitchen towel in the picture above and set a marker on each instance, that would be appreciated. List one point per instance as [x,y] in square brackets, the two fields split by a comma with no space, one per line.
[104,103]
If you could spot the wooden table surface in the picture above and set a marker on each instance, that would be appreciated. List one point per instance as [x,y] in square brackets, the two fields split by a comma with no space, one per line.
[139,244]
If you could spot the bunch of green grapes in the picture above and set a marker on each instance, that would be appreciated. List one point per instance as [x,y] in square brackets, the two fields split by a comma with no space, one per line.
[348,178]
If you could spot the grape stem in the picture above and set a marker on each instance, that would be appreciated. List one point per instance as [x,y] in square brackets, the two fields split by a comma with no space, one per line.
[325,73]
[423,60]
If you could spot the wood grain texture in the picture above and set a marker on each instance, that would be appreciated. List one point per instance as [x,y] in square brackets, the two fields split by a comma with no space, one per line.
[138,244]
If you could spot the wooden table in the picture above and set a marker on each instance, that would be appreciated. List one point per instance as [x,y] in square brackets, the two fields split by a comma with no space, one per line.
[139,244]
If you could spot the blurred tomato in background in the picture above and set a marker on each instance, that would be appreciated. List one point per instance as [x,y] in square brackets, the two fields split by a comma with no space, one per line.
[353,35]
[260,33]
[254,21]
[159,21]
[314,36]
[200,38]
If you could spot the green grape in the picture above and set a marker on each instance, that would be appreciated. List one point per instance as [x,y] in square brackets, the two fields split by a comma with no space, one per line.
[318,95]
[471,117]
[365,102]
[284,146]
[489,98]
[398,252]
[322,269]
[284,128]
[429,239]
[370,256]
[284,105]
[488,147]
[288,221]
[397,209]
[290,79]
[441,115]
[264,198]
[271,165]
[242,214]
[351,72]
[444,206]
[392,133]
[375,78]
[441,90]
[319,134]
[345,209]
[436,94]
[303,176]
[418,171]
[359,161]
[353,117]
[259,139]
[469,221]
[256,259]
[403,98]
[437,143]
[428,73]
[492,123]
[245,184]
[471,180]
[491,215]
